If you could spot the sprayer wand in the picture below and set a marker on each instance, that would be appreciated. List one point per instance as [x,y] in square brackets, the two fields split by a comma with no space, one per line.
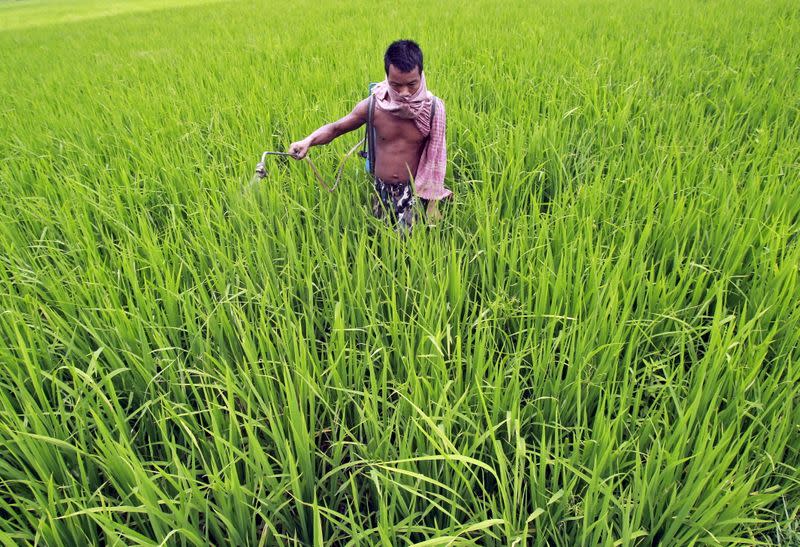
[261,169]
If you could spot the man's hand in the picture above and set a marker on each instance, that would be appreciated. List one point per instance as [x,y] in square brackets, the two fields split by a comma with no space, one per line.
[299,149]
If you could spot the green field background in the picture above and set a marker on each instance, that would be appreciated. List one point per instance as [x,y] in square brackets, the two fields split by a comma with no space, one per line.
[597,345]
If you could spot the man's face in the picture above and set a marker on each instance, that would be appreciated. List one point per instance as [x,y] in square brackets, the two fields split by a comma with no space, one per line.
[404,84]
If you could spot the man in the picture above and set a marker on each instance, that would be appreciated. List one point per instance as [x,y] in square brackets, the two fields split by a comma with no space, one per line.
[410,147]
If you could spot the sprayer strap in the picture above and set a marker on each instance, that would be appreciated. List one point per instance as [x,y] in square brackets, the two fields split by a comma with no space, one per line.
[371,134]
[363,151]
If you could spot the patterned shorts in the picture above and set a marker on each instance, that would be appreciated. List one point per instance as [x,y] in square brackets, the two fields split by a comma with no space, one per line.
[395,202]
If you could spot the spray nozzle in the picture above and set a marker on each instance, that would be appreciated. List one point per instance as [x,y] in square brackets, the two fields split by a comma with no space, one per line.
[261,170]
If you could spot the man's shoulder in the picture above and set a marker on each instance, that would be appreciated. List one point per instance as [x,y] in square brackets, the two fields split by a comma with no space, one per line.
[437,104]
[361,108]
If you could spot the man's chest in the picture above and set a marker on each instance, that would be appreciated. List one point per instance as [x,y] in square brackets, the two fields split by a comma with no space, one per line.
[390,128]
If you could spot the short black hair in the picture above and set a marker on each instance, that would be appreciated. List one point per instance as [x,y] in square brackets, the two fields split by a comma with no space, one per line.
[404,54]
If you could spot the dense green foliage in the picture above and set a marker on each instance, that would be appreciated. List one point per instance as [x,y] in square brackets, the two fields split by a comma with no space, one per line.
[598,345]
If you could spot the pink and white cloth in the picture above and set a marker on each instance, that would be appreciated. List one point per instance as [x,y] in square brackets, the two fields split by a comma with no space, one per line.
[429,179]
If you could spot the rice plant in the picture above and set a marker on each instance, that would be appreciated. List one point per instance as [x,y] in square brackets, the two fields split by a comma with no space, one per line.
[597,345]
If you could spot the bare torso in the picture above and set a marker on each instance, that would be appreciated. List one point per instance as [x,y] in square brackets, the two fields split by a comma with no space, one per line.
[398,147]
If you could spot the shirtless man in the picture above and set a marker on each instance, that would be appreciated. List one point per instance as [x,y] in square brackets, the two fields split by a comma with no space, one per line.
[410,148]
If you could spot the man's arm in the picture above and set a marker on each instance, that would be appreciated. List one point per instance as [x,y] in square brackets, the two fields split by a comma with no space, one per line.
[328,132]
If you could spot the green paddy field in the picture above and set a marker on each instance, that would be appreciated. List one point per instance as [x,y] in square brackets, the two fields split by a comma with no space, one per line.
[597,345]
